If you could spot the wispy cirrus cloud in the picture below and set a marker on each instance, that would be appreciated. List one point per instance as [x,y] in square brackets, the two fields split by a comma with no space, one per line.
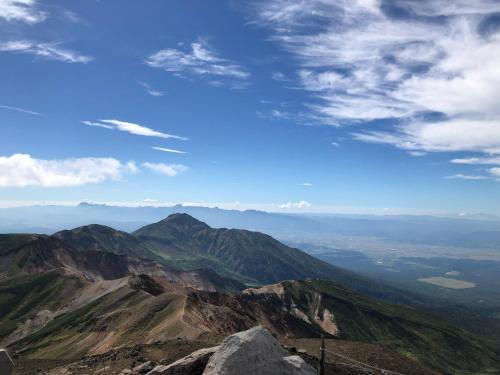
[150,90]
[478,161]
[21,10]
[169,170]
[431,67]
[22,170]
[168,150]
[443,136]
[97,124]
[50,51]
[493,161]
[466,177]
[131,128]
[199,60]
[17,109]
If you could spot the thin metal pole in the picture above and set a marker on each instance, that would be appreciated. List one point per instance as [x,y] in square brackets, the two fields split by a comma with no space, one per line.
[321,365]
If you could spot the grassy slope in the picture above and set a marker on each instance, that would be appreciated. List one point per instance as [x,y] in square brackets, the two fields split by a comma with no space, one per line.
[251,257]
[431,341]
[128,316]
[124,317]
[22,297]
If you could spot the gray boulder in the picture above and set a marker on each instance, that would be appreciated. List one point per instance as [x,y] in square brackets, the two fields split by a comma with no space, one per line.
[6,364]
[254,352]
[193,364]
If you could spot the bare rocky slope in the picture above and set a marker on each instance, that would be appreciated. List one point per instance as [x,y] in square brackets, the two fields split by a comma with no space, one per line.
[79,294]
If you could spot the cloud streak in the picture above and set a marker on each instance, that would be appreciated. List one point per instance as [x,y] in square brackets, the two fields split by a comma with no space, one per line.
[466,177]
[477,161]
[17,109]
[168,150]
[49,51]
[150,90]
[198,60]
[131,128]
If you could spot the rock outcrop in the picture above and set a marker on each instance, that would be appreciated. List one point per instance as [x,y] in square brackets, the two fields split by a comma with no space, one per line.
[252,352]
[193,364]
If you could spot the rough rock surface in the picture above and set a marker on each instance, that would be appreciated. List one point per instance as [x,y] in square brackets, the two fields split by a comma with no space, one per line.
[6,364]
[252,352]
[143,368]
[193,364]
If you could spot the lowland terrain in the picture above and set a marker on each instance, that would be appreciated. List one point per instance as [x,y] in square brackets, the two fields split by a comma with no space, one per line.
[97,296]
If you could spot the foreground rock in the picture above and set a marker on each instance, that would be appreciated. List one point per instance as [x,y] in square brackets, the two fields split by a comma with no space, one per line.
[253,352]
[193,364]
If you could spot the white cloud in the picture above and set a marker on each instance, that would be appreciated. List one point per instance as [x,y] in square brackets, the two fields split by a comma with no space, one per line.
[443,136]
[20,110]
[50,51]
[300,205]
[150,90]
[199,60]
[21,170]
[306,184]
[131,128]
[467,177]
[417,153]
[360,63]
[21,10]
[166,169]
[168,150]
[478,161]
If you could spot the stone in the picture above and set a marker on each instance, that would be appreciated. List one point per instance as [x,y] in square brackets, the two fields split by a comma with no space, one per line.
[6,364]
[143,368]
[193,364]
[252,352]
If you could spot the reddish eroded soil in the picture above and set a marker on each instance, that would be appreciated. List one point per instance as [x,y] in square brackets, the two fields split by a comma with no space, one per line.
[114,361]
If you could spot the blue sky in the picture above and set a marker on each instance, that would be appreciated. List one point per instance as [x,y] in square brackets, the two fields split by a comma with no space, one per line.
[324,106]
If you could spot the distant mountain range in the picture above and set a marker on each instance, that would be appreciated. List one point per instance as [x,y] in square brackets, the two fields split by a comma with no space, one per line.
[475,231]
[90,289]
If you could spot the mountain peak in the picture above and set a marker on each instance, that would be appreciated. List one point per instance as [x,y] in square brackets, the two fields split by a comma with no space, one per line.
[179,225]
[186,221]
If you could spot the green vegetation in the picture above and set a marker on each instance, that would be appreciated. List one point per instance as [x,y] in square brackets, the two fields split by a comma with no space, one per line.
[35,279]
[431,341]
[23,296]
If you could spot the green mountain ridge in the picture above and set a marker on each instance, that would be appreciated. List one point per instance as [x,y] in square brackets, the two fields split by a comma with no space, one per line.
[104,289]
[256,258]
